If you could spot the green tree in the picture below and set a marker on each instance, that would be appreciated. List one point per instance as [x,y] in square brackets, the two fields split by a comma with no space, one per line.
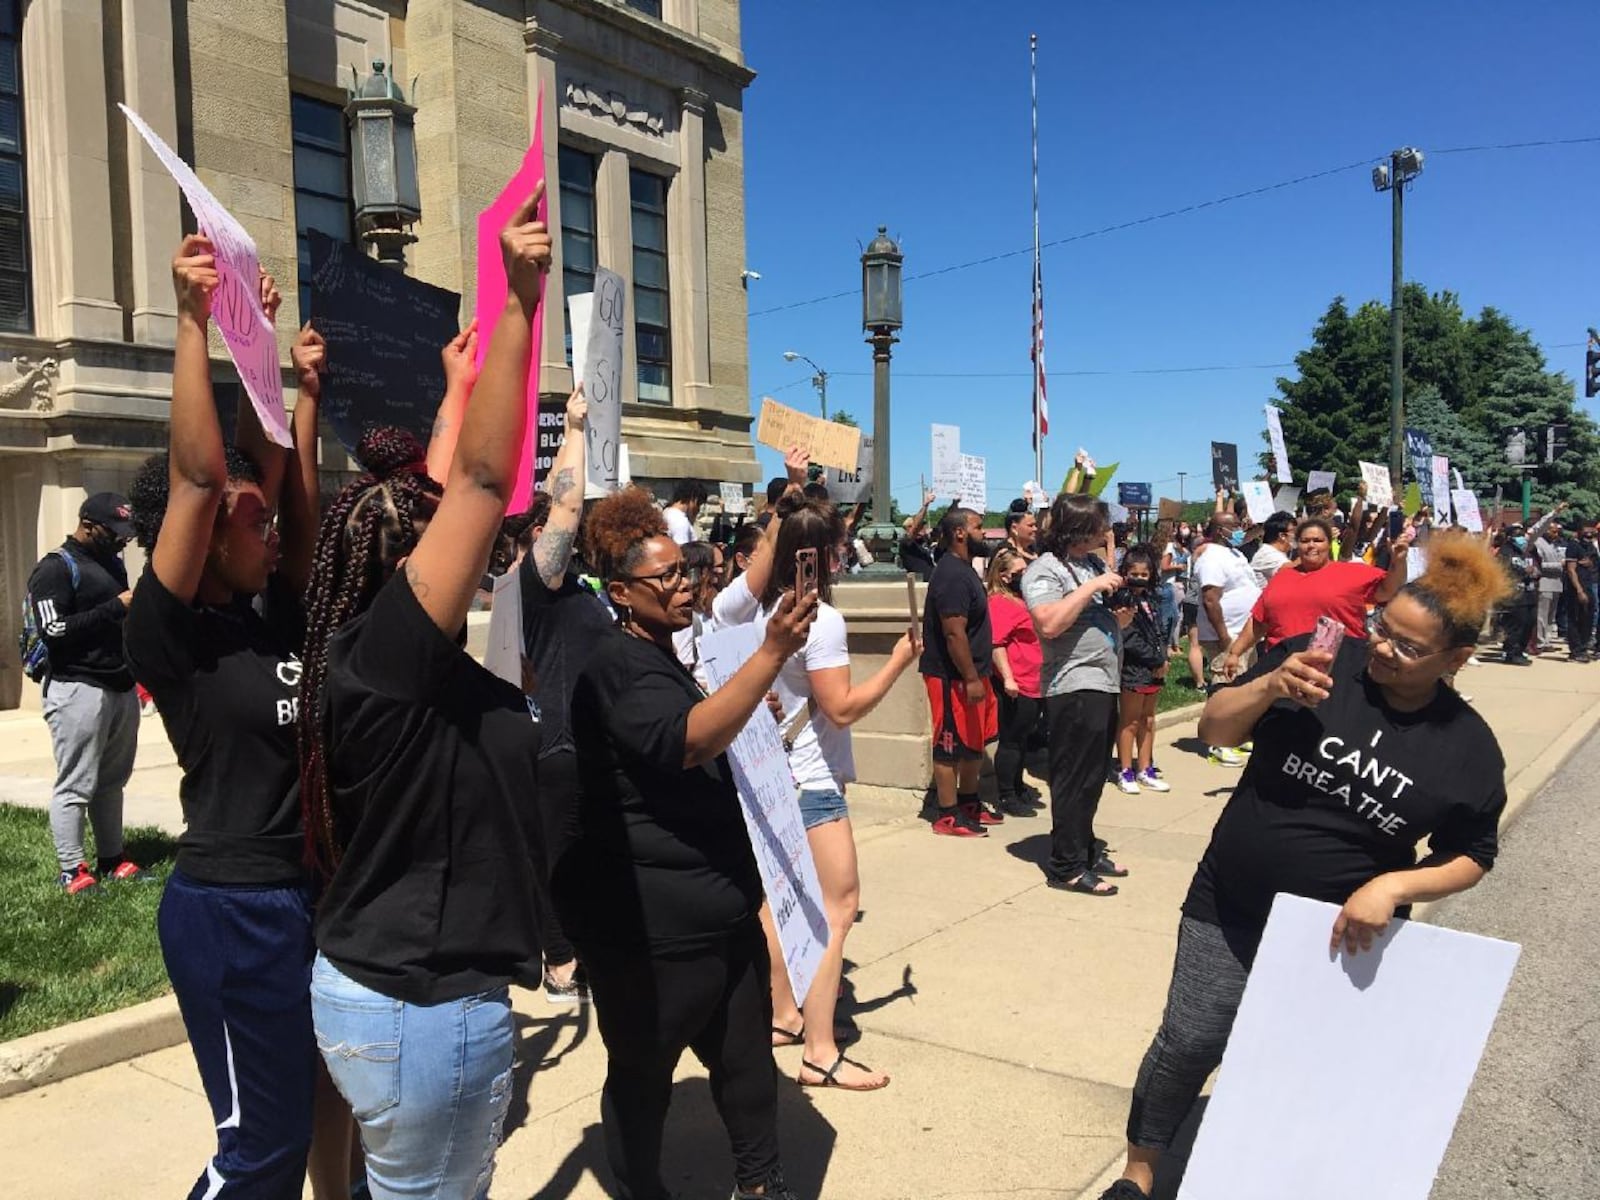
[1523,395]
[843,418]
[1468,450]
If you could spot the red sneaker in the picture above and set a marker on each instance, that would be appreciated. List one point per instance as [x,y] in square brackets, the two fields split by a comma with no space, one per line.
[958,824]
[126,871]
[78,880]
[976,811]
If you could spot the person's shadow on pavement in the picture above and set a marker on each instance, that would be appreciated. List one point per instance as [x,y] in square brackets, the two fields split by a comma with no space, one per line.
[535,1050]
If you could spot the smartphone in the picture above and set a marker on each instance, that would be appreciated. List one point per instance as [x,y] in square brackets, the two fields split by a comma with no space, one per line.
[1397,522]
[805,572]
[1327,636]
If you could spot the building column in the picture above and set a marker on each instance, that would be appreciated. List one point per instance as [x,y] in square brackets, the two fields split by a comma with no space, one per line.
[686,212]
[543,45]
[157,226]
[64,76]
[614,248]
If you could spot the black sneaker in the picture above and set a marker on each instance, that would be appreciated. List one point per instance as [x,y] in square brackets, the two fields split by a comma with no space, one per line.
[1016,806]
[774,1189]
[930,807]
[1124,1189]
[1033,796]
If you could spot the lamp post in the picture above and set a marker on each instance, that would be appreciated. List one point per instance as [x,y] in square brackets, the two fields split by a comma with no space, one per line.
[383,166]
[1403,166]
[818,381]
[880,319]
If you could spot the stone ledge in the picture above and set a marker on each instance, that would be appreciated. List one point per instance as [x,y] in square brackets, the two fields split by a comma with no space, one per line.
[68,1050]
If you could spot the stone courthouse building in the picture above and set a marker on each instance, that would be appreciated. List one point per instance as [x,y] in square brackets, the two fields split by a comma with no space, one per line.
[643,128]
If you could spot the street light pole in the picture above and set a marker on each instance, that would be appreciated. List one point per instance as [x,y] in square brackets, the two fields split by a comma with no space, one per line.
[1403,166]
[881,320]
[818,381]
[1181,476]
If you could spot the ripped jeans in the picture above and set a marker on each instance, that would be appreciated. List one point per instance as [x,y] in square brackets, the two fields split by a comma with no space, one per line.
[429,1084]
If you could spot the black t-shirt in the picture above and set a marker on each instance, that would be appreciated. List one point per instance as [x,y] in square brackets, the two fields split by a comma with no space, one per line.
[955,591]
[915,557]
[1519,564]
[433,777]
[560,629]
[1587,557]
[81,626]
[662,858]
[225,681]
[1336,795]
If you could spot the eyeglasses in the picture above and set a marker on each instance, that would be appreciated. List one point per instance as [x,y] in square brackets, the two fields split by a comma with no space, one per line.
[669,578]
[1377,631]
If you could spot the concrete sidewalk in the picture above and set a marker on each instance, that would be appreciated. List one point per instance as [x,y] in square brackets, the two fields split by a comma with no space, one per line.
[1011,1017]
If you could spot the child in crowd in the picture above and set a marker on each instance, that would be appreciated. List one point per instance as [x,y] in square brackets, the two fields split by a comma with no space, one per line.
[1144,671]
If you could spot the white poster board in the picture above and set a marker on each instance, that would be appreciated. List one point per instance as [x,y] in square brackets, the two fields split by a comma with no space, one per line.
[1036,496]
[602,380]
[946,460]
[1465,502]
[733,499]
[1258,499]
[771,806]
[1380,492]
[579,308]
[1316,481]
[1440,470]
[503,654]
[1396,1030]
[1280,451]
[1287,498]
[852,487]
[974,489]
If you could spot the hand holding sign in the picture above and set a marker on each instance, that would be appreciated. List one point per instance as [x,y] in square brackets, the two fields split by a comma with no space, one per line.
[525,247]
[309,355]
[577,411]
[195,278]
[460,359]
[271,297]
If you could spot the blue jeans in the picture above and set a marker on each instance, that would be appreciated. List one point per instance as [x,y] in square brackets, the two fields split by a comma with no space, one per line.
[429,1084]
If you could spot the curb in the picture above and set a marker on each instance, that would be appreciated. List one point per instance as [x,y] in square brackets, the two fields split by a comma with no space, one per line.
[68,1050]
[1177,716]
[1520,790]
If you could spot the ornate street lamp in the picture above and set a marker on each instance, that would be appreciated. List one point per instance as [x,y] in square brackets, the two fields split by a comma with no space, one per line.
[880,319]
[383,165]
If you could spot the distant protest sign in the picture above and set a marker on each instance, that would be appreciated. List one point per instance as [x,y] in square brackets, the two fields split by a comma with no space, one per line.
[946,460]
[1465,502]
[852,487]
[974,489]
[733,499]
[1280,451]
[1380,491]
[1169,510]
[1419,449]
[1439,469]
[601,376]
[829,443]
[1225,466]
[1287,498]
[384,331]
[1318,481]
[1258,499]
[236,306]
[771,806]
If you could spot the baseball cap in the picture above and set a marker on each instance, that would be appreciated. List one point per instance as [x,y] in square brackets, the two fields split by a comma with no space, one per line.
[110,510]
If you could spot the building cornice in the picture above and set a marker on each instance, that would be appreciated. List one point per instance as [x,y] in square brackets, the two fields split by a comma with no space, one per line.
[648,29]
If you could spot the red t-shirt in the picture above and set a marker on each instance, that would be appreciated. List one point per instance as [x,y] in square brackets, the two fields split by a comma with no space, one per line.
[1014,633]
[1293,599]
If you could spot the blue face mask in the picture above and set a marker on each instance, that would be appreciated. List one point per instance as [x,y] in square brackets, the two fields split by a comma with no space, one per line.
[1520,542]
[1236,538]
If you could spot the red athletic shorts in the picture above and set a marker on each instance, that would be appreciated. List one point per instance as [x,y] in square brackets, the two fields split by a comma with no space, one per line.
[961,729]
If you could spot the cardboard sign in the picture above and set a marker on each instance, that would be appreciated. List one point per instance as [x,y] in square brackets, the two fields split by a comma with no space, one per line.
[771,806]
[852,487]
[602,379]
[492,292]
[503,654]
[733,499]
[1225,466]
[946,460]
[1287,498]
[1406,1020]
[1317,481]
[1380,492]
[974,481]
[1465,502]
[1280,451]
[1169,510]
[1258,499]
[1419,450]
[236,305]
[384,331]
[830,443]
[1439,469]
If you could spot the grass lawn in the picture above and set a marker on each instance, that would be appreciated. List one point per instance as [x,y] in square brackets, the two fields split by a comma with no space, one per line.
[63,958]
[1180,689]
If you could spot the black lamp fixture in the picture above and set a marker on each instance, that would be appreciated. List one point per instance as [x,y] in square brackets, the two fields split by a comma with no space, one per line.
[881,319]
[383,165]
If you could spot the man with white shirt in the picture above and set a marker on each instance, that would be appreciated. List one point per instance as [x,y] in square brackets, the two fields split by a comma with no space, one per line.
[1228,591]
[684,509]
[1277,532]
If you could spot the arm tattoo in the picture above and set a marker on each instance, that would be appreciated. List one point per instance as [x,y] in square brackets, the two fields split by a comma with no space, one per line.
[419,587]
[551,554]
[440,424]
[563,485]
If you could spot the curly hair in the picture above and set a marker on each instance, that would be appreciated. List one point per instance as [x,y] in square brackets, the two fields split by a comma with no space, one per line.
[617,528]
[1465,580]
[807,525]
[367,529]
[148,495]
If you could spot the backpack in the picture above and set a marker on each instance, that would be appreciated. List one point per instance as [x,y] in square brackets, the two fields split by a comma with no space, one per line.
[35,655]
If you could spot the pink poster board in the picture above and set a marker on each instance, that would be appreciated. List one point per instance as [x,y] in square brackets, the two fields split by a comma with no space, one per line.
[492,293]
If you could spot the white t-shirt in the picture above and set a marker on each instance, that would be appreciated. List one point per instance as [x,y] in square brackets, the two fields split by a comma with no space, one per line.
[1224,567]
[822,757]
[734,605]
[679,528]
[1268,561]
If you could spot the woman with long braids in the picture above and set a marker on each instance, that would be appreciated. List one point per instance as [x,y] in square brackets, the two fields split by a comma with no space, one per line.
[660,891]
[1358,757]
[420,785]
[235,920]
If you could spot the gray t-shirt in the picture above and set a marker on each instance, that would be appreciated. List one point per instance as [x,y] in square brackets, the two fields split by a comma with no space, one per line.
[1088,656]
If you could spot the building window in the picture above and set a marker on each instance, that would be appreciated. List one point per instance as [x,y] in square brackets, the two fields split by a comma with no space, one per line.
[321,180]
[648,7]
[576,171]
[16,290]
[652,308]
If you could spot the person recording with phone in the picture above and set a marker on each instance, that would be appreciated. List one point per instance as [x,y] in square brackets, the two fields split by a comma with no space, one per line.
[1144,671]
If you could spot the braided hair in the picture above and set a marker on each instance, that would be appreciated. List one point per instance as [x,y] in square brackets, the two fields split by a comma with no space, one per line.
[367,529]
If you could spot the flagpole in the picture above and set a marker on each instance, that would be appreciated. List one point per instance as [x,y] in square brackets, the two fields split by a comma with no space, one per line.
[1037,315]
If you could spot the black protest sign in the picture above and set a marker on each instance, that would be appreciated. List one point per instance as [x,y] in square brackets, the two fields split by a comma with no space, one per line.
[384,331]
[552,427]
[1225,466]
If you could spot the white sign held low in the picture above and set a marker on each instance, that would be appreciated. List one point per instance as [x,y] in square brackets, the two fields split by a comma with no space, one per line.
[1380,491]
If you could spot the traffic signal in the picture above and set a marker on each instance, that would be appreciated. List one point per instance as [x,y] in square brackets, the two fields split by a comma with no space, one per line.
[1591,374]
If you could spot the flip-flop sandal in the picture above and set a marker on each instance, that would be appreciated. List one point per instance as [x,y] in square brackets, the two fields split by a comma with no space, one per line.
[830,1076]
[1105,867]
[791,1037]
[1088,884]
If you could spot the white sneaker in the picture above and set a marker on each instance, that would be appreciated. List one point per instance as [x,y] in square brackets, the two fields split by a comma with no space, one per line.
[1151,780]
[1226,756]
[1128,782]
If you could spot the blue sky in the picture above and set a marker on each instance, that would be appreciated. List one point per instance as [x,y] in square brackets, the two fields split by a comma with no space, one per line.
[914,114]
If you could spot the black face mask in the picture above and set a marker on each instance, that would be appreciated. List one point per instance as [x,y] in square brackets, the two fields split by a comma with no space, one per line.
[103,543]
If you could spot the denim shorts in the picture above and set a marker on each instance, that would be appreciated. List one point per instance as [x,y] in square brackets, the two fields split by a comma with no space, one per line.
[818,806]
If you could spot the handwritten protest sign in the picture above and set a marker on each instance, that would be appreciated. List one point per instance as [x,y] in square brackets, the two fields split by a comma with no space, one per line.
[1410,1018]
[852,487]
[1036,495]
[974,481]
[1287,498]
[236,304]
[492,292]
[552,435]
[1380,492]
[733,500]
[503,654]
[1419,449]
[771,806]
[830,443]
[1225,466]
[384,331]
[1258,499]
[1439,469]
[1169,510]
[1465,503]
[602,379]
[1317,481]
[946,460]
[1280,451]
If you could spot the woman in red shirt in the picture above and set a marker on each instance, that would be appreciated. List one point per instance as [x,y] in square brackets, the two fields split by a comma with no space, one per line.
[1313,586]
[1018,661]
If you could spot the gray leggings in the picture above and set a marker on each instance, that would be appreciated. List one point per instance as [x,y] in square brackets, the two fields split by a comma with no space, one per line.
[95,733]
[1208,977]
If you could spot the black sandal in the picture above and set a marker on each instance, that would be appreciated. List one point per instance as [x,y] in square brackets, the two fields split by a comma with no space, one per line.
[1088,884]
[830,1076]
[1108,868]
[791,1037]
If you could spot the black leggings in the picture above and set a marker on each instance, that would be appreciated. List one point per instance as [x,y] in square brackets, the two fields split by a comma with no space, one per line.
[1519,622]
[558,810]
[1018,717]
[651,1006]
[1081,725]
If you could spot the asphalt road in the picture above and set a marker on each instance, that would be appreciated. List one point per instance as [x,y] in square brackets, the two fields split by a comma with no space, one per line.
[1531,1125]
